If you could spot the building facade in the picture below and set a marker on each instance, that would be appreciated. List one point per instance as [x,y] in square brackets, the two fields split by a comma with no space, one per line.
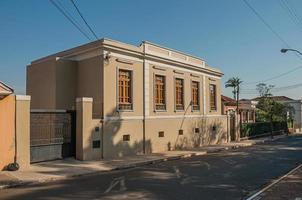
[145,98]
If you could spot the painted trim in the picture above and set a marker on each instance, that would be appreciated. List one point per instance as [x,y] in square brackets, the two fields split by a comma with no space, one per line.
[48,110]
[182,116]
[181,69]
[131,70]
[23,98]
[154,91]
[140,117]
[204,95]
[84,99]
[147,89]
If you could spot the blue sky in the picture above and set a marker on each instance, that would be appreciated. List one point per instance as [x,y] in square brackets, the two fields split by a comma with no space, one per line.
[224,33]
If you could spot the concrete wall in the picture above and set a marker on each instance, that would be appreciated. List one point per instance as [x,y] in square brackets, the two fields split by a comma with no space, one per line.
[90,81]
[40,84]
[14,131]
[86,132]
[23,131]
[7,130]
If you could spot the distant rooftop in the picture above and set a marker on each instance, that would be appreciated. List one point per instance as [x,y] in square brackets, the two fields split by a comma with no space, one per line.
[5,89]
[276,98]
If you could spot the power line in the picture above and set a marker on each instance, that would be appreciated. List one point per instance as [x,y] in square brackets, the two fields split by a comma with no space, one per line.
[268,26]
[72,18]
[276,89]
[291,13]
[79,12]
[274,77]
[69,19]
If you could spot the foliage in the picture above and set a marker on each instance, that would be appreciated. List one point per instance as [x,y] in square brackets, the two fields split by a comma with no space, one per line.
[264,89]
[259,128]
[270,110]
[235,84]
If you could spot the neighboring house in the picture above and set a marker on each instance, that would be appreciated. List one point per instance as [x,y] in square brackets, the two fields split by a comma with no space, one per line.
[295,104]
[247,109]
[14,128]
[145,98]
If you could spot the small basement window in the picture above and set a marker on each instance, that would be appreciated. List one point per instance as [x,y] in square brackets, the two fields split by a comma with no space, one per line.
[96,144]
[161,134]
[180,132]
[196,130]
[214,128]
[126,137]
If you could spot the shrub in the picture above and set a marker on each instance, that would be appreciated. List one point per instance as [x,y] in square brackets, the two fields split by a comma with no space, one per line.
[259,128]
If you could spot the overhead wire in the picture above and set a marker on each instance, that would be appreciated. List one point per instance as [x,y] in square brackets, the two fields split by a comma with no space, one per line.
[69,18]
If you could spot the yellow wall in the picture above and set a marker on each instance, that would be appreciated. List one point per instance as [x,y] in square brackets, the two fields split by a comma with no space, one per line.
[7,130]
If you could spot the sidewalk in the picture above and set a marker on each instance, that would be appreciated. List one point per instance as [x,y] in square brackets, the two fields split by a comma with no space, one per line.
[62,169]
[288,186]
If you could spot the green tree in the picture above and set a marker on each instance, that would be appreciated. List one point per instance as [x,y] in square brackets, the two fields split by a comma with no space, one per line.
[235,83]
[268,109]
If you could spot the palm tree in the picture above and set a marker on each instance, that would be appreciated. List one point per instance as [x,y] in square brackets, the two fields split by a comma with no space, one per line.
[235,82]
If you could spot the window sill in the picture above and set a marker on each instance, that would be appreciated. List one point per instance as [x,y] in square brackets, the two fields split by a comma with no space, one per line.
[120,111]
[159,111]
[179,110]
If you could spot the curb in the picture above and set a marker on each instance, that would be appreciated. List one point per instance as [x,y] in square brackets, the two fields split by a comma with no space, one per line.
[134,165]
[255,195]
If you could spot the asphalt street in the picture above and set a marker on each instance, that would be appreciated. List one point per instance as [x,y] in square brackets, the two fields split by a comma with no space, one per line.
[233,174]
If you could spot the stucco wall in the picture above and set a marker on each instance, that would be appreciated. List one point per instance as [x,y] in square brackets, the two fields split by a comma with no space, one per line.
[7,130]
[89,82]
[212,130]
[41,84]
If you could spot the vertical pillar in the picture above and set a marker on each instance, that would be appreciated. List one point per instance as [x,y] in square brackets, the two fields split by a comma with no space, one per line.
[237,126]
[23,131]
[87,132]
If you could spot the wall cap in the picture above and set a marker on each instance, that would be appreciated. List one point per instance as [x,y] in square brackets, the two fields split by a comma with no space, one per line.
[23,97]
[84,99]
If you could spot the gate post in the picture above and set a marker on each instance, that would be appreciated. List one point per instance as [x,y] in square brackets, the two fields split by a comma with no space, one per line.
[86,133]
[22,156]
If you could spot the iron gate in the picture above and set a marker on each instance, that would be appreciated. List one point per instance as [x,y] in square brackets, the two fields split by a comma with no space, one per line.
[52,135]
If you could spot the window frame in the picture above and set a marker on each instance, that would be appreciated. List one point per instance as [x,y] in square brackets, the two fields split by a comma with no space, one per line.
[198,96]
[118,90]
[183,94]
[215,97]
[154,93]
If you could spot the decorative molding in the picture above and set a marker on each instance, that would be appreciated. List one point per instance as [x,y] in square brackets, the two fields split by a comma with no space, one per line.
[193,75]
[182,116]
[23,98]
[159,68]
[124,61]
[161,117]
[48,110]
[181,69]
[84,99]
[147,89]
[178,72]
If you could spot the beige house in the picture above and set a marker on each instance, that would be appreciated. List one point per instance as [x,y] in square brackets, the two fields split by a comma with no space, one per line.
[131,99]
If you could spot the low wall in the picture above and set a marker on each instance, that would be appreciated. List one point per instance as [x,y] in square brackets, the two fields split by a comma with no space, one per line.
[7,131]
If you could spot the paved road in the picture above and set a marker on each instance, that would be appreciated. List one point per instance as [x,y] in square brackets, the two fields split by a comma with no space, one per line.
[226,175]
